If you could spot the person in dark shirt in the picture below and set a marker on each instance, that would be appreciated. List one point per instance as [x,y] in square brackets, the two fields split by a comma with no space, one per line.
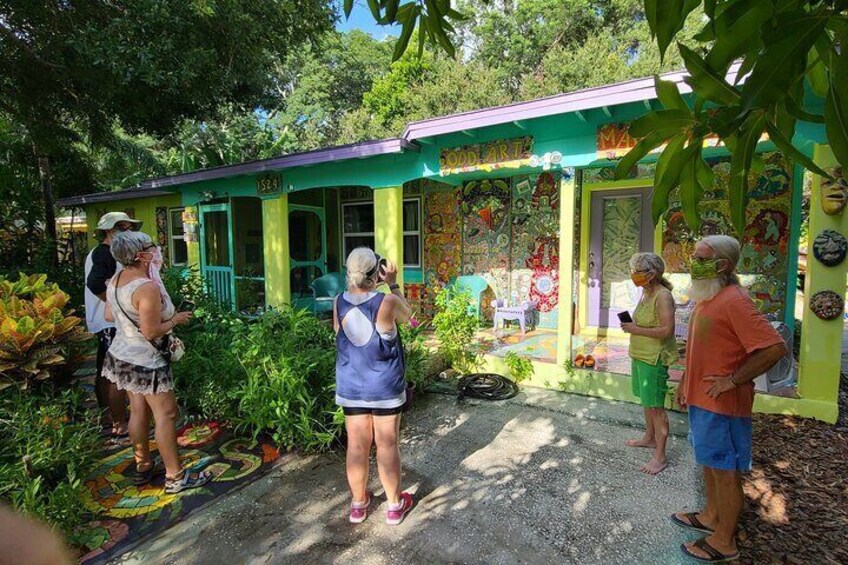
[100,267]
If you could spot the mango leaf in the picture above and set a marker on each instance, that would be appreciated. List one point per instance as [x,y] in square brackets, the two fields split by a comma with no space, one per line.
[645,145]
[836,106]
[740,168]
[405,35]
[669,95]
[666,18]
[672,167]
[704,81]
[706,177]
[691,193]
[785,146]
[669,121]
[785,51]
[738,32]
[348,7]
[817,68]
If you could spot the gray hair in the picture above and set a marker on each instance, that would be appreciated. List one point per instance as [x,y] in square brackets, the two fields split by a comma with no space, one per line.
[652,263]
[127,245]
[360,262]
[727,248]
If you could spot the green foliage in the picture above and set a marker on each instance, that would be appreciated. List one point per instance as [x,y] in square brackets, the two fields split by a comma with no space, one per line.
[415,353]
[455,329]
[520,368]
[781,45]
[50,444]
[289,360]
[38,331]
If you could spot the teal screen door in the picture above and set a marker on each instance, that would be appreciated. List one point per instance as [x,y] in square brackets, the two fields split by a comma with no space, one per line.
[216,251]
[307,250]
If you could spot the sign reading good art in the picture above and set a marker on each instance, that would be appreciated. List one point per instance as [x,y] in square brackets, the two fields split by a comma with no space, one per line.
[614,141]
[501,154]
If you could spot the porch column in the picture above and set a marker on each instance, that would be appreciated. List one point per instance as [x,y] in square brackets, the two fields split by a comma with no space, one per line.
[388,225]
[821,340]
[275,236]
[567,203]
[193,247]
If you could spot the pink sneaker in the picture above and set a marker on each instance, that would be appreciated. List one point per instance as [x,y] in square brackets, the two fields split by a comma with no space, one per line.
[359,510]
[396,512]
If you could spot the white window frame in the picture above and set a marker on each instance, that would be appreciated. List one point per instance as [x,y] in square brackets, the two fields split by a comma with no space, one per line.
[417,233]
[172,237]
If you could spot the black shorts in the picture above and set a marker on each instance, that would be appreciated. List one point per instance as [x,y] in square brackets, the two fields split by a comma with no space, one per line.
[355,411]
[104,340]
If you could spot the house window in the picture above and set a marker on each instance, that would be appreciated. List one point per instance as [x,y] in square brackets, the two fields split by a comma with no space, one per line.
[358,229]
[179,251]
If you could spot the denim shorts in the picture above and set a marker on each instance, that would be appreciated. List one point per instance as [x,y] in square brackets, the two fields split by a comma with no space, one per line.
[720,441]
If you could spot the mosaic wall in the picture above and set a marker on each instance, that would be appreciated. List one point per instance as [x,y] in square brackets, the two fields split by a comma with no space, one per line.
[486,207]
[442,240]
[535,244]
[763,266]
[505,230]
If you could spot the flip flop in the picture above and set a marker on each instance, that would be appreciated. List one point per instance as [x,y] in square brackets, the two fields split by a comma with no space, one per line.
[590,362]
[692,524]
[715,556]
[579,361]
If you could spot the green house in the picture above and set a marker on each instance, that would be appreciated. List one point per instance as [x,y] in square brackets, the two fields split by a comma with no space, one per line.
[522,197]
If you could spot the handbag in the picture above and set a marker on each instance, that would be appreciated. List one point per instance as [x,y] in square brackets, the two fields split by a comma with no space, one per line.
[169,346]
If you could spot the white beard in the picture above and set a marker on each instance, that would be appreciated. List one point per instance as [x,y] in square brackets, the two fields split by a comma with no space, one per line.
[705,289]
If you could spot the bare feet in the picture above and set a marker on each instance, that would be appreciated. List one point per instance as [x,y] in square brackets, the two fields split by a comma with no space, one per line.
[644,442]
[654,466]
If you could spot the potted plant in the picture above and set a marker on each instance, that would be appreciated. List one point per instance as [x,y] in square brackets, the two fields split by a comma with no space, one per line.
[415,357]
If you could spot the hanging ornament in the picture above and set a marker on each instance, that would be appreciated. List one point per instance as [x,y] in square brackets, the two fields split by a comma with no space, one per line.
[830,248]
[827,305]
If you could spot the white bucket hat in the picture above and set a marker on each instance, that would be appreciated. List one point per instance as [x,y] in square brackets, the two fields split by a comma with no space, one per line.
[107,221]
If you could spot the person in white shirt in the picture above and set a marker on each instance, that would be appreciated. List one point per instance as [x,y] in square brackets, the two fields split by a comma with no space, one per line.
[100,266]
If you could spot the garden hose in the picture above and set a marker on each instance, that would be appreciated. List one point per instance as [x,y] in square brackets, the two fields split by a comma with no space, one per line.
[486,386]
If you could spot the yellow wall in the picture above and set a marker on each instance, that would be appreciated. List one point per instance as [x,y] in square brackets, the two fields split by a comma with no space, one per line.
[144,209]
[388,225]
[275,224]
[821,341]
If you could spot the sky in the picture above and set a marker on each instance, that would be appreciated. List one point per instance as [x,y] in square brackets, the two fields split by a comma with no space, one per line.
[361,18]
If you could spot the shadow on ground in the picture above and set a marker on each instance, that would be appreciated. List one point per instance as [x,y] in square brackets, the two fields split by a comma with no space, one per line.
[543,478]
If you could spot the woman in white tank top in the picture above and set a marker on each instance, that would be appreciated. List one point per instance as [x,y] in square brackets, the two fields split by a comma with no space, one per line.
[139,305]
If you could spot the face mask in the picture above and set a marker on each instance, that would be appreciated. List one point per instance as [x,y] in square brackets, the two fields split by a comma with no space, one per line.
[640,279]
[705,269]
[154,268]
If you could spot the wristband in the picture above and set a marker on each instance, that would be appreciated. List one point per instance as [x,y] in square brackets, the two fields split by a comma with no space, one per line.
[394,287]
[733,381]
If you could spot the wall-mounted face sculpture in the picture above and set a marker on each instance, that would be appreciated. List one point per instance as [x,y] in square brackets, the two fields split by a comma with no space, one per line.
[834,193]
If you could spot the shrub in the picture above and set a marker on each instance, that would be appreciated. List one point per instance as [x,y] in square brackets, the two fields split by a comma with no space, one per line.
[38,331]
[50,444]
[415,353]
[520,368]
[289,389]
[455,329]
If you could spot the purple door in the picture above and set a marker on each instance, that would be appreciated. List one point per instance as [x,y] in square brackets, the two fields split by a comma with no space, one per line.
[620,226]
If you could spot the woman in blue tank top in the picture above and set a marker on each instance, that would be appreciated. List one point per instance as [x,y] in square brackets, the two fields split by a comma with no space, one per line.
[370,386]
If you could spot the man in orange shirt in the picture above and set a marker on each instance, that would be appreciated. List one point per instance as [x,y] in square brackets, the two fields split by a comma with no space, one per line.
[730,344]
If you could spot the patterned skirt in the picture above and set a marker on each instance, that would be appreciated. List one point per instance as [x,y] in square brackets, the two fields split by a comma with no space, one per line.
[138,379]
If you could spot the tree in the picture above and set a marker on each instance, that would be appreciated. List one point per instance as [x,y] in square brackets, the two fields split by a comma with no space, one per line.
[71,70]
[781,45]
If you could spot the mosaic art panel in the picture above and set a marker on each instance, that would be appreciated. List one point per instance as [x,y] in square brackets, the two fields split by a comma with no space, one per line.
[763,265]
[486,235]
[535,243]
[442,240]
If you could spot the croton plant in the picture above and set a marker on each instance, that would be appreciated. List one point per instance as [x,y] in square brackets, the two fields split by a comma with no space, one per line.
[37,330]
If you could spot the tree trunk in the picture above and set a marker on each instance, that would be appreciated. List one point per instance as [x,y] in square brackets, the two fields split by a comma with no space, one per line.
[46,174]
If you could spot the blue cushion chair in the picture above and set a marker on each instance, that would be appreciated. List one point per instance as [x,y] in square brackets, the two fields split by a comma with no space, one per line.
[324,291]
[474,285]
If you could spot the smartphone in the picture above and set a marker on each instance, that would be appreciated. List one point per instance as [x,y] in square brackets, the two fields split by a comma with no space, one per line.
[625,317]
[186,306]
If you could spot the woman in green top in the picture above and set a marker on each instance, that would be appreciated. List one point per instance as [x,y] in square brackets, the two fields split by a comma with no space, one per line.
[652,350]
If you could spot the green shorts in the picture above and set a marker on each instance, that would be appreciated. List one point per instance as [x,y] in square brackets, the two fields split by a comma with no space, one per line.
[649,383]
